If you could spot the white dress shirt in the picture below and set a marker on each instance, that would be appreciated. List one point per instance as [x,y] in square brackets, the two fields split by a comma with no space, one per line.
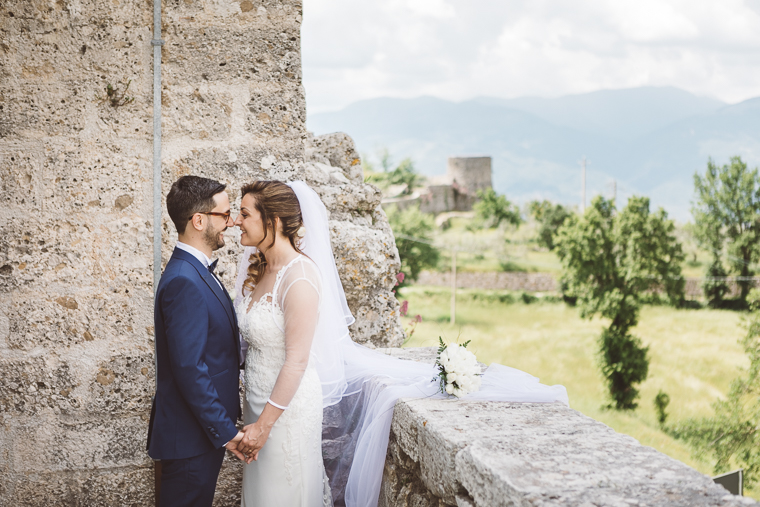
[198,255]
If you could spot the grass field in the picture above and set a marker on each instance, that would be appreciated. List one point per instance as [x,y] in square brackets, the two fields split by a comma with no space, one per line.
[694,354]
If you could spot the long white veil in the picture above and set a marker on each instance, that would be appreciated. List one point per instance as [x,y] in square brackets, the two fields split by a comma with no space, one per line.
[360,386]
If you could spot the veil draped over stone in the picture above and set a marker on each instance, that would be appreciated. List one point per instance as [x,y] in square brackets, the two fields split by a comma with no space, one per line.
[360,386]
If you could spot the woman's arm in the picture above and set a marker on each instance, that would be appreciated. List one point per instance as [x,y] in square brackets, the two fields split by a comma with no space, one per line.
[300,305]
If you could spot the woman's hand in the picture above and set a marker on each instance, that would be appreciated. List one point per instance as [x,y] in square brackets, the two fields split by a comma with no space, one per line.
[254,437]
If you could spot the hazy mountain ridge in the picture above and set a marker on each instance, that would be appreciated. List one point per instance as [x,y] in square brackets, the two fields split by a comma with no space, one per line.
[650,140]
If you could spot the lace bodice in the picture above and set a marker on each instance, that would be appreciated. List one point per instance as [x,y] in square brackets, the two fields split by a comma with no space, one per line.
[279,328]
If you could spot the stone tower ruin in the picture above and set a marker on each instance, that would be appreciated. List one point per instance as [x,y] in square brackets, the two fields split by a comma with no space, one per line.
[472,173]
[76,263]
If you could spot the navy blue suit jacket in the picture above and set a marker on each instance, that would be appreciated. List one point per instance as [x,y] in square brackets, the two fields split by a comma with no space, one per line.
[198,353]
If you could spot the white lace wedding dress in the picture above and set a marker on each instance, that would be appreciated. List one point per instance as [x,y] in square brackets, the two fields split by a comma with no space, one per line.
[279,328]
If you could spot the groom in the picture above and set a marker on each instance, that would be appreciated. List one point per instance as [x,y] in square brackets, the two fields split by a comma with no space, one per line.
[198,351]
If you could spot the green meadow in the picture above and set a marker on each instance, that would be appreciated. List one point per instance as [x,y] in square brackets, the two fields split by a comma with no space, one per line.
[694,354]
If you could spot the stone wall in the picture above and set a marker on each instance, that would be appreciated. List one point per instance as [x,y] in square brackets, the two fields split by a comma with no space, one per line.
[491,454]
[443,198]
[541,282]
[532,282]
[76,284]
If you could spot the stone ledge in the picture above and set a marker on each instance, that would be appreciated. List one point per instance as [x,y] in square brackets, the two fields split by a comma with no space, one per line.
[474,453]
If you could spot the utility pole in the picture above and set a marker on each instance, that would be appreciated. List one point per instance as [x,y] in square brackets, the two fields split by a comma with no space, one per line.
[583,185]
[453,317]
[614,190]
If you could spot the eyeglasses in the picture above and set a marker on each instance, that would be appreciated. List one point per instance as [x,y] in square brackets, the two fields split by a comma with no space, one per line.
[226,216]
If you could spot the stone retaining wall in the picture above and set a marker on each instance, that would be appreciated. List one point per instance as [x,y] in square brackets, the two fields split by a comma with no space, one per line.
[538,282]
[532,282]
[491,454]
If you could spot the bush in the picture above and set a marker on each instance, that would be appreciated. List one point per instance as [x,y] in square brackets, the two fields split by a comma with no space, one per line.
[415,256]
[661,402]
[731,436]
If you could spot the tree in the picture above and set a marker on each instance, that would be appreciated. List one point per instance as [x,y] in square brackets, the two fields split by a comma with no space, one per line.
[732,435]
[727,214]
[610,260]
[551,217]
[403,174]
[715,286]
[415,256]
[492,209]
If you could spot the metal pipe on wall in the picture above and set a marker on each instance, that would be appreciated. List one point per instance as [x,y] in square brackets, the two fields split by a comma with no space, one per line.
[156,42]
[157,240]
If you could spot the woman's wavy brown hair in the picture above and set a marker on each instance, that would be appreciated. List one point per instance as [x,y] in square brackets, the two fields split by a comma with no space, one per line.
[273,199]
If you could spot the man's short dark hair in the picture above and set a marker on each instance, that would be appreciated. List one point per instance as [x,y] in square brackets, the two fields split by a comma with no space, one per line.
[190,195]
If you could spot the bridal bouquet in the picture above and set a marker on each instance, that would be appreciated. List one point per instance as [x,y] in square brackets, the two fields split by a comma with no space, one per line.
[459,372]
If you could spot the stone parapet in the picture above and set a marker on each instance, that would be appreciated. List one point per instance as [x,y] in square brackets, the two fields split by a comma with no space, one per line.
[474,453]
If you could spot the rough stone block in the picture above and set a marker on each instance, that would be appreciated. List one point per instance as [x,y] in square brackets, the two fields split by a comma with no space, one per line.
[277,111]
[128,487]
[64,319]
[338,150]
[21,186]
[123,384]
[34,385]
[233,53]
[79,444]
[350,199]
[198,113]
[368,260]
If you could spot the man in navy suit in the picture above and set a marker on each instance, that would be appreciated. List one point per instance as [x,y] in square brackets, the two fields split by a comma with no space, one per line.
[198,351]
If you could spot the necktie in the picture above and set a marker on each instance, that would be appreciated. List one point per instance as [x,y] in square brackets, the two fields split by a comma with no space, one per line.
[212,266]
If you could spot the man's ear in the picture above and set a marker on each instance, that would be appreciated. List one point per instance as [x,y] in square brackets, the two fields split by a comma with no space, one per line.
[197,222]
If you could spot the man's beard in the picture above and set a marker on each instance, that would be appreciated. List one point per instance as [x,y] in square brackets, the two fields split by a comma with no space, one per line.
[213,238]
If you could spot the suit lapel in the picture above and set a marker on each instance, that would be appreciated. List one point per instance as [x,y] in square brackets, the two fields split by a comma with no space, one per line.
[216,288]
[235,328]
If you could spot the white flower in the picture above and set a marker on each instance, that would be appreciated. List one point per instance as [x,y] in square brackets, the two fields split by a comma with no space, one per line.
[301,232]
[459,369]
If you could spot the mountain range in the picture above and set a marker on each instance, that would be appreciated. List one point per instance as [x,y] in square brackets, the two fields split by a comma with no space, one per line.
[649,141]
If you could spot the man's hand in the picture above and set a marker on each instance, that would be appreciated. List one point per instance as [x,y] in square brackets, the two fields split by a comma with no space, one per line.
[233,445]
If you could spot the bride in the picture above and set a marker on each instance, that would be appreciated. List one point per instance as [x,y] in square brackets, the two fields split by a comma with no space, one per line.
[301,363]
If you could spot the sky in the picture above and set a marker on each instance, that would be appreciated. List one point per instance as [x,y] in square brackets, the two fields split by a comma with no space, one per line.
[460,49]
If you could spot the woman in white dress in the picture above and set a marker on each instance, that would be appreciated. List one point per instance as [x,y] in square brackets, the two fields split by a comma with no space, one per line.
[278,316]
[301,361]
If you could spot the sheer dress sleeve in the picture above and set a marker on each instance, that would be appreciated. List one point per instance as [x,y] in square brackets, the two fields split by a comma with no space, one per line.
[298,294]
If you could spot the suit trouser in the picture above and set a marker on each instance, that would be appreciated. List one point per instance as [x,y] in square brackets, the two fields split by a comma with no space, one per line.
[190,482]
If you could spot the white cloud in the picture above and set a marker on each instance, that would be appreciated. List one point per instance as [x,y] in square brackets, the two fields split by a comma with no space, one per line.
[455,49]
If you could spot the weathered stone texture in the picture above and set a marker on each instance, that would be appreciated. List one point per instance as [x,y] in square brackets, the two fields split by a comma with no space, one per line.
[76,282]
[473,453]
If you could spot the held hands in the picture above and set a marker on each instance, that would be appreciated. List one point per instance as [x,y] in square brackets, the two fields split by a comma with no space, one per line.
[254,437]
